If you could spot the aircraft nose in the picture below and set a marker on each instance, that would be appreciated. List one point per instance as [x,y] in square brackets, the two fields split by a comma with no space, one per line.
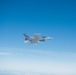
[49,38]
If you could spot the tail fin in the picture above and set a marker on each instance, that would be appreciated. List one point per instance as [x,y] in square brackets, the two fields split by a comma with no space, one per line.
[26,35]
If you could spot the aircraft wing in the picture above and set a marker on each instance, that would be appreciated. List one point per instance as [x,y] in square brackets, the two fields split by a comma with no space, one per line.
[33,41]
[36,37]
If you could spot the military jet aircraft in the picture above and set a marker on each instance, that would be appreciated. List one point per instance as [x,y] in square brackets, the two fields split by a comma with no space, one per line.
[36,38]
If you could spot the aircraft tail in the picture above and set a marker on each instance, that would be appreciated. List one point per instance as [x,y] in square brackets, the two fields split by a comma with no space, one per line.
[26,35]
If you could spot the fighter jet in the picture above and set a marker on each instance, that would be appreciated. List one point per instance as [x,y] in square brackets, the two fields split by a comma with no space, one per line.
[36,39]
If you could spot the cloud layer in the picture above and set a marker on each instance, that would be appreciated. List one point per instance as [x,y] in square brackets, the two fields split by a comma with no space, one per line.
[17,51]
[5,53]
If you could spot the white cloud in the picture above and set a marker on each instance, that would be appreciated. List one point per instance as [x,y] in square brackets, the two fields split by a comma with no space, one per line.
[23,65]
[5,53]
[18,51]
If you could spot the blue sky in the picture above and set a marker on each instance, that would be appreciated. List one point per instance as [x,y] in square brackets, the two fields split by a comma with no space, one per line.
[55,18]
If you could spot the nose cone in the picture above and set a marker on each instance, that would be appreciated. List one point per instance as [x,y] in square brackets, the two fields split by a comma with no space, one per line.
[49,38]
